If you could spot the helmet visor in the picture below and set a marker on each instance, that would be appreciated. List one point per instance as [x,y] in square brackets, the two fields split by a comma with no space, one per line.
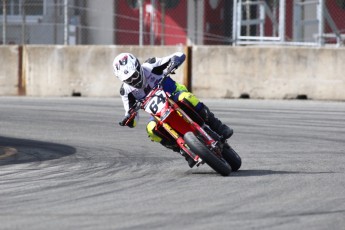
[136,79]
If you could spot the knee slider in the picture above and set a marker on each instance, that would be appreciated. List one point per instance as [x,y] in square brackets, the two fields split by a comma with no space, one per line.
[150,129]
[191,98]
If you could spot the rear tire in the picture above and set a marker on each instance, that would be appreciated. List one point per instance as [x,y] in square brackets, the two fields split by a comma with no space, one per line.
[219,165]
[232,157]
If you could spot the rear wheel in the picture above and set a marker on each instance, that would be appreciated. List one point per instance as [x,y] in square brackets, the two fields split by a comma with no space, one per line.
[232,157]
[218,164]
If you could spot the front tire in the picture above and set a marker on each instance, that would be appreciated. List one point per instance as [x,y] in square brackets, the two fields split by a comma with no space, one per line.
[232,157]
[218,164]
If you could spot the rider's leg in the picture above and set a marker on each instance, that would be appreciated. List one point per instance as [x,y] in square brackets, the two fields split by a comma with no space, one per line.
[206,114]
[158,136]
[215,123]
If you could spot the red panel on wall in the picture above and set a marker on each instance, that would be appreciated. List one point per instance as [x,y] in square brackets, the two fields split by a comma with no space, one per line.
[175,23]
[214,22]
[127,22]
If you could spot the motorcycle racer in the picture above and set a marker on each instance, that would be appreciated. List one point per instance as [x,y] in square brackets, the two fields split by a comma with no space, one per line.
[138,79]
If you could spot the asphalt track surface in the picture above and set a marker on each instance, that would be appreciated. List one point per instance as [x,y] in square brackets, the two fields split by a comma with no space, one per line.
[66,164]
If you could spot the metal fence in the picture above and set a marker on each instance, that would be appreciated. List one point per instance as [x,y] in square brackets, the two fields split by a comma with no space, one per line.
[172,22]
[297,22]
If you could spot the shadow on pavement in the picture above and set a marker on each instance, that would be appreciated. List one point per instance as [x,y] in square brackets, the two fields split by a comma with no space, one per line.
[17,151]
[254,172]
[261,172]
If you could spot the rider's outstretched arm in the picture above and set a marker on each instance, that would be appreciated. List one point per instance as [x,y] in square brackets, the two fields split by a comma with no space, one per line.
[159,66]
[128,101]
[175,61]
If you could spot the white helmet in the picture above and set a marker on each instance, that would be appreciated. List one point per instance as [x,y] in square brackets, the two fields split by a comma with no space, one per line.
[128,69]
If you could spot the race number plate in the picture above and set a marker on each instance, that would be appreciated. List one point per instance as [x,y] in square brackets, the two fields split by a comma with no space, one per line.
[156,103]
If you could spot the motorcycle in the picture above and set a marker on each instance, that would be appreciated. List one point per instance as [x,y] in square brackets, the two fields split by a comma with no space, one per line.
[187,129]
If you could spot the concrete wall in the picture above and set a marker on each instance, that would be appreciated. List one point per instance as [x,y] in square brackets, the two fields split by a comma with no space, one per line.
[217,71]
[270,73]
[87,70]
[9,70]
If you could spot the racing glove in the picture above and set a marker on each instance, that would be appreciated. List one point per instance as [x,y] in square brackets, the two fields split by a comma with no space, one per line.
[175,62]
[129,120]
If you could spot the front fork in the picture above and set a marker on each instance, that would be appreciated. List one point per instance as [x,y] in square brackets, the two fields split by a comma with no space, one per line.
[179,140]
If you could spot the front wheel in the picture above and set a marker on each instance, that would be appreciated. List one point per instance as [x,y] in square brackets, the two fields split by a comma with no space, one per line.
[232,157]
[218,164]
